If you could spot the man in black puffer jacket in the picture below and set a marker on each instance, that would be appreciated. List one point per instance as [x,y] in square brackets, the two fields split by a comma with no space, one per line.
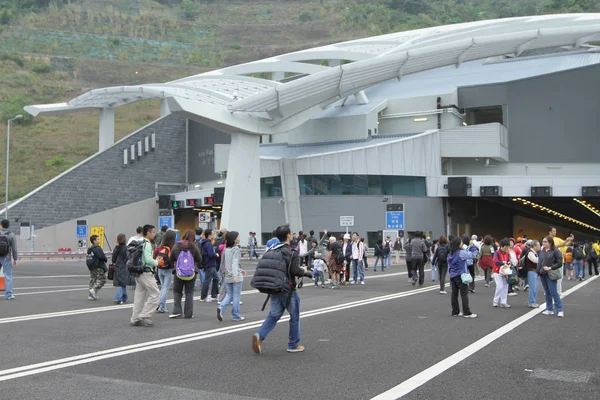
[276,274]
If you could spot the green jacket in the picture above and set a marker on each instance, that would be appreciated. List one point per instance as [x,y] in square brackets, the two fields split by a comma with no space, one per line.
[147,260]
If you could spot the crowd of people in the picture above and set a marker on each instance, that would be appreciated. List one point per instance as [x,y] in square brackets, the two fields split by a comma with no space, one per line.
[154,262]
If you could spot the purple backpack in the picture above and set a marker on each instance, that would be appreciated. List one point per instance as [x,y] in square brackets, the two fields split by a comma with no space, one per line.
[185,264]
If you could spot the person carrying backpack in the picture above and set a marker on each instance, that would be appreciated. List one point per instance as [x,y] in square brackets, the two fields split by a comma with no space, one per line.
[440,258]
[96,263]
[162,254]
[121,278]
[147,294]
[209,265]
[233,277]
[186,258]
[276,274]
[8,249]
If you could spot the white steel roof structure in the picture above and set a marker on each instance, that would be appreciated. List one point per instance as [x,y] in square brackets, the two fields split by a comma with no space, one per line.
[231,100]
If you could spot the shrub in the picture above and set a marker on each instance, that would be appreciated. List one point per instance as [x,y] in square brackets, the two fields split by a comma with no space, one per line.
[14,106]
[11,57]
[42,68]
[305,17]
[56,162]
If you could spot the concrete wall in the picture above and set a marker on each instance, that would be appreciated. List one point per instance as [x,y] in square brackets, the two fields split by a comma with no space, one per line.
[102,182]
[201,152]
[469,166]
[323,212]
[331,129]
[272,215]
[552,118]
[124,219]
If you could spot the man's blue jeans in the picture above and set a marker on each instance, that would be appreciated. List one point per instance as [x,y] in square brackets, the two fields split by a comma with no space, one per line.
[251,252]
[279,303]
[551,293]
[234,292]
[377,258]
[166,278]
[579,269]
[7,268]
[358,267]
[121,294]
[532,281]
[388,259]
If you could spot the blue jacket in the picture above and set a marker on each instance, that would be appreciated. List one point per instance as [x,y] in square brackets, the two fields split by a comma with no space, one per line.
[457,261]
[209,257]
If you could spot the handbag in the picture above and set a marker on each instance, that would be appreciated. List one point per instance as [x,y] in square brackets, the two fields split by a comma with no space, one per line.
[111,272]
[466,277]
[506,270]
[554,274]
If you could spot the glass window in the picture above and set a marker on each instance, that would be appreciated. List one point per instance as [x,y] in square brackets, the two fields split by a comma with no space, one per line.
[271,187]
[323,185]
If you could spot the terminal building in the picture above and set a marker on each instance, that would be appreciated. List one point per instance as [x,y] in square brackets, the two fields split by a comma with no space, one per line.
[483,127]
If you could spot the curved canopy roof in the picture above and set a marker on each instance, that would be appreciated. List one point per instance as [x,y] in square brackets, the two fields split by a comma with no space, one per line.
[234,101]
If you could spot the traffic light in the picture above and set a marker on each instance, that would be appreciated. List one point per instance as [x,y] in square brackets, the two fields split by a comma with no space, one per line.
[209,201]
[191,203]
[175,204]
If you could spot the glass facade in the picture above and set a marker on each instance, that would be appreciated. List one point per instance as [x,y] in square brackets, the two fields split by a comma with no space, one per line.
[332,185]
[271,187]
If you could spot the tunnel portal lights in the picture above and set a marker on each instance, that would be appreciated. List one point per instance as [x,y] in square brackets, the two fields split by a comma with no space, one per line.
[559,215]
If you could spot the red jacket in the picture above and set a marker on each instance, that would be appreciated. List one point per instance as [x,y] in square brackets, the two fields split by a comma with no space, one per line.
[500,258]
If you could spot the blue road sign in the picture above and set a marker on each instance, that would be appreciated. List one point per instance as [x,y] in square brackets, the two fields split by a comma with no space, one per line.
[165,220]
[394,220]
[81,231]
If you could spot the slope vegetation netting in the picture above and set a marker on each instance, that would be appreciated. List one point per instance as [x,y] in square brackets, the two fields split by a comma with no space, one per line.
[36,41]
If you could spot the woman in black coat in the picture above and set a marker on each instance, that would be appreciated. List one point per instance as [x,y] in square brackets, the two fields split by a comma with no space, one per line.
[121,278]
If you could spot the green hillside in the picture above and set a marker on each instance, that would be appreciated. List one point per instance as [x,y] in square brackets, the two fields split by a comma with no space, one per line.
[54,50]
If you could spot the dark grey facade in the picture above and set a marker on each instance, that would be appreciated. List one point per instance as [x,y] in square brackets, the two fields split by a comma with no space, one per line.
[551,118]
[201,151]
[102,182]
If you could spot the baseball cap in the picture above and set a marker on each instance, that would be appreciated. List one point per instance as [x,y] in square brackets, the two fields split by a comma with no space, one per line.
[529,242]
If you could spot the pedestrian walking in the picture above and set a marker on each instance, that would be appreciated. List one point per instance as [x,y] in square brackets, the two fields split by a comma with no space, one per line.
[186,259]
[121,278]
[147,294]
[96,263]
[9,256]
[275,265]
[233,277]
[457,264]
[165,267]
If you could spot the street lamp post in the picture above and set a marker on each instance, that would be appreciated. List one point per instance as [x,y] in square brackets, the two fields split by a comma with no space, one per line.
[7,158]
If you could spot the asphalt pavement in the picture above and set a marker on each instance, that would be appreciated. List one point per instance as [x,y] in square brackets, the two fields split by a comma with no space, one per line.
[384,339]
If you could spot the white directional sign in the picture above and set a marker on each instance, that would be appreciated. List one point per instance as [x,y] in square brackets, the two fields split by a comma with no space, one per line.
[346,220]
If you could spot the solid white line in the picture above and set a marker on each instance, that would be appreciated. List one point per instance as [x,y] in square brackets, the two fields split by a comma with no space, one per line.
[51,276]
[117,307]
[34,369]
[52,287]
[17,293]
[425,376]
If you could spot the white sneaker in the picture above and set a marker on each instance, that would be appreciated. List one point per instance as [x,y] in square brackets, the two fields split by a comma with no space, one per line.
[504,305]
[352,282]
[561,314]
[470,316]
[494,304]
[513,294]
[443,292]
[93,294]
[548,312]
[362,282]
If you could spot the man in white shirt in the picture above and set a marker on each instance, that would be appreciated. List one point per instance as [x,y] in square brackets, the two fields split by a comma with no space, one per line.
[138,237]
[358,250]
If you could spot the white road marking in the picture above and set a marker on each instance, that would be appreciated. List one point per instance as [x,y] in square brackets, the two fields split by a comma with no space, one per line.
[51,276]
[425,376]
[52,287]
[17,293]
[117,307]
[38,368]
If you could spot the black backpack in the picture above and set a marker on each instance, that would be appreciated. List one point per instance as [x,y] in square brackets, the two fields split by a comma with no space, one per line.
[4,244]
[578,253]
[442,254]
[272,273]
[134,263]
[593,254]
[339,257]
